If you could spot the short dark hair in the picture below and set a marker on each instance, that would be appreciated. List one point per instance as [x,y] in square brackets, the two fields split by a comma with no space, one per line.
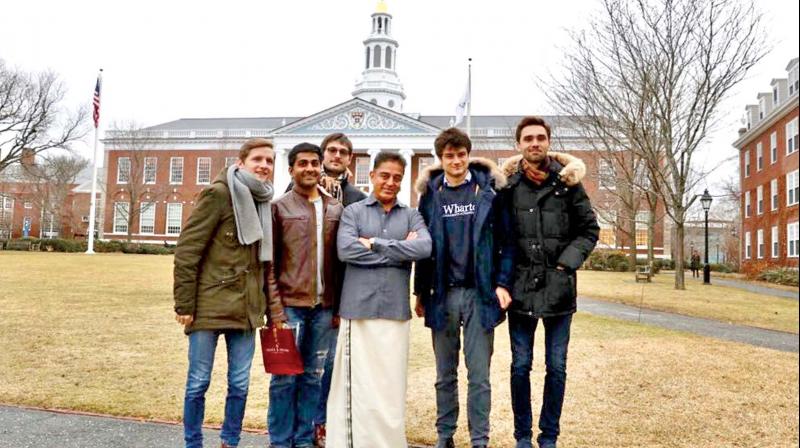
[384,157]
[532,121]
[304,147]
[337,137]
[453,137]
[252,144]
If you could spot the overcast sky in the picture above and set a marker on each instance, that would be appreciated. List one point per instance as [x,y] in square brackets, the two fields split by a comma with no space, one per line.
[165,60]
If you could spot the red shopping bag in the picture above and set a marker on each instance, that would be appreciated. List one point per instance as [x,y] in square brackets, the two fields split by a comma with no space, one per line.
[280,351]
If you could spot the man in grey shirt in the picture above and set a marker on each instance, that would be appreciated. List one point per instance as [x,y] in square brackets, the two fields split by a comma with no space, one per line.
[378,239]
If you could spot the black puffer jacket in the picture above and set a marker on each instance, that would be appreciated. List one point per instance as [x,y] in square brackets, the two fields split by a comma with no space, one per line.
[549,225]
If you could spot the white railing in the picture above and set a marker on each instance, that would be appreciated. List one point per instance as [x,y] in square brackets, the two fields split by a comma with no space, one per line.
[187,134]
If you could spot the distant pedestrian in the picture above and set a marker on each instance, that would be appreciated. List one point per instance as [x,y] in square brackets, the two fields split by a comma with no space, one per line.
[694,264]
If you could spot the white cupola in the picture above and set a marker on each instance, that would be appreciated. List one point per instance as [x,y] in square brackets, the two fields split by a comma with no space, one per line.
[379,83]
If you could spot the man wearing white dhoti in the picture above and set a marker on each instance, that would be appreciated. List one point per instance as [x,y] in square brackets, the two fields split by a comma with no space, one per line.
[378,240]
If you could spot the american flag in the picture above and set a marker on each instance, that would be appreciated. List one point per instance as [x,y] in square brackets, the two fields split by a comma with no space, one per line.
[96,102]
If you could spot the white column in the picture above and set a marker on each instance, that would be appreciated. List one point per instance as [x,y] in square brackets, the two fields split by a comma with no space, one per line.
[372,154]
[281,176]
[406,187]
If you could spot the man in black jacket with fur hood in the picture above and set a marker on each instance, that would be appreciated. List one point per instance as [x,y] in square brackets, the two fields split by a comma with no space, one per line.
[551,229]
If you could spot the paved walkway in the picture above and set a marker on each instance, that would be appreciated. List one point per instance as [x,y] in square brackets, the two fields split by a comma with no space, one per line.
[752,287]
[778,340]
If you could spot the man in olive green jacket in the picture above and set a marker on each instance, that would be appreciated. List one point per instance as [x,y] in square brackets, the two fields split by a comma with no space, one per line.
[219,283]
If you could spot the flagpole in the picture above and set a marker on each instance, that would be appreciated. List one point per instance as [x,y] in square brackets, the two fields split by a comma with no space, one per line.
[469,96]
[93,202]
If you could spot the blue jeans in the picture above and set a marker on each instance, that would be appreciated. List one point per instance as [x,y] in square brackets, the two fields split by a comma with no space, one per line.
[202,345]
[322,409]
[522,329]
[293,399]
[478,347]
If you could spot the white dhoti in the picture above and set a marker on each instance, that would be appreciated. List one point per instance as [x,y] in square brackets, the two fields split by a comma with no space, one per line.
[367,400]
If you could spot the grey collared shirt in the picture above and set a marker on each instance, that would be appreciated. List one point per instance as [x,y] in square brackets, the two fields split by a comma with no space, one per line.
[376,282]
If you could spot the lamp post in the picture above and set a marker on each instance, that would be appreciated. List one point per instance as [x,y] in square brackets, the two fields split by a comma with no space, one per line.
[706,201]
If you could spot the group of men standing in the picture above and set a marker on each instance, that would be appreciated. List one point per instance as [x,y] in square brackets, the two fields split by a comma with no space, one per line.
[334,265]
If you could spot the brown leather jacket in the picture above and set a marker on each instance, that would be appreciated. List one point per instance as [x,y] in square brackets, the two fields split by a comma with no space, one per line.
[292,275]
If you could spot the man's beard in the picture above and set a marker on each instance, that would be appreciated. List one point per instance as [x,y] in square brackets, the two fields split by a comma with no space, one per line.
[535,159]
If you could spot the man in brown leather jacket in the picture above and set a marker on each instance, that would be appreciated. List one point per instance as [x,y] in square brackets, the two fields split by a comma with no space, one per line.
[305,276]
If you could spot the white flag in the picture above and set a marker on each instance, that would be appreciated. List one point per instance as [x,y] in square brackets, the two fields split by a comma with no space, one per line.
[461,109]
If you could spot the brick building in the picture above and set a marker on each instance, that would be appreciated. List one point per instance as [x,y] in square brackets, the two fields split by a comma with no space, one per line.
[768,164]
[154,178]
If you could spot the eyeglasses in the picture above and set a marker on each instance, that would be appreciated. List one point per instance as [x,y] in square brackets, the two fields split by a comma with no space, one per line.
[339,151]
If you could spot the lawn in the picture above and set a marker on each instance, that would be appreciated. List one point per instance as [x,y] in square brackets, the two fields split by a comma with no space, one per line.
[709,301]
[96,333]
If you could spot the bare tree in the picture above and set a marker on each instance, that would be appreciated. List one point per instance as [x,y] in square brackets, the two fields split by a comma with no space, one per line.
[660,70]
[32,117]
[48,184]
[136,191]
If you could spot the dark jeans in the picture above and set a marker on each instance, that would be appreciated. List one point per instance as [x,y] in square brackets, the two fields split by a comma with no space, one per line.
[462,312]
[322,409]
[293,399]
[522,329]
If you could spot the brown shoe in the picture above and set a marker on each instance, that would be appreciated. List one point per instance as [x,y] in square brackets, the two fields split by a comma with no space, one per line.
[225,445]
[319,436]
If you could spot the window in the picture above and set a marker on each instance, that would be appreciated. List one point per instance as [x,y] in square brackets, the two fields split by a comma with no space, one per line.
[367,57]
[423,162]
[792,239]
[376,57]
[746,204]
[791,137]
[760,241]
[230,161]
[642,219]
[792,187]
[203,170]
[147,217]
[606,175]
[362,172]
[774,242]
[794,81]
[8,202]
[388,57]
[759,156]
[27,204]
[123,170]
[773,192]
[747,249]
[608,231]
[176,170]
[773,147]
[121,217]
[760,200]
[762,108]
[150,170]
[174,218]
[747,163]
[775,96]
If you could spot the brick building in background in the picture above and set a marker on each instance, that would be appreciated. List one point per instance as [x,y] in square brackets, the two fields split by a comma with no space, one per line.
[768,164]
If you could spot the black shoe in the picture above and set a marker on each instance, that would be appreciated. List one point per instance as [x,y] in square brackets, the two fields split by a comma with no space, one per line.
[446,443]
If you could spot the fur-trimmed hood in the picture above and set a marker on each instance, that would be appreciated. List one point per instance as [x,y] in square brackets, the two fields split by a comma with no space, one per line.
[479,164]
[573,171]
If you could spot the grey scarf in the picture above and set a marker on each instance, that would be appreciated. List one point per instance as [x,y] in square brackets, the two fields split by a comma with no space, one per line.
[252,225]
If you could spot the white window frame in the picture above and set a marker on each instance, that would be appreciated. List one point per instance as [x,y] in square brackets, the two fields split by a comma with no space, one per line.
[208,173]
[608,228]
[774,242]
[27,204]
[773,147]
[773,193]
[230,161]
[123,170]
[150,170]
[175,177]
[748,250]
[747,204]
[760,200]
[747,163]
[759,156]
[171,220]
[120,222]
[147,218]
[641,229]
[760,247]
[791,137]
[606,175]
[792,184]
[793,83]
[792,243]
[362,163]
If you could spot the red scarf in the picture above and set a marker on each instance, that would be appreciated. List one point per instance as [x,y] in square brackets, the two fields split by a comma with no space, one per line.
[536,174]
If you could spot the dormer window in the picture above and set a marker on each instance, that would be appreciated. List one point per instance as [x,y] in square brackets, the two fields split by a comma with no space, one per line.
[775,95]
[794,82]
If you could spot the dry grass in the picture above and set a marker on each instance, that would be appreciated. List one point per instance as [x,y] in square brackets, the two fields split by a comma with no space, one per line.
[710,301]
[110,346]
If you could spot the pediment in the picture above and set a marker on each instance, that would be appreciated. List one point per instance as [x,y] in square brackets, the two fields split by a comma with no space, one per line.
[357,117]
